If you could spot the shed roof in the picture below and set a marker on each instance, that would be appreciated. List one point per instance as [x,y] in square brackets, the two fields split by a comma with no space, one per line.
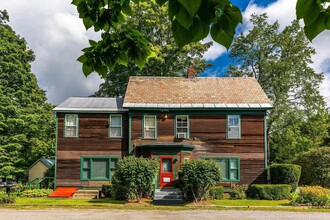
[91,104]
[48,162]
[199,92]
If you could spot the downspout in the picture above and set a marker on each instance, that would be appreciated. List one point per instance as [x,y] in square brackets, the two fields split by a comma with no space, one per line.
[55,164]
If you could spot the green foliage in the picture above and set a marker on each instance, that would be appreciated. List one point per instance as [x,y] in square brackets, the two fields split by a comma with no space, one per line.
[238,191]
[312,195]
[134,176]
[4,198]
[280,61]
[315,166]
[107,190]
[269,191]
[285,174]
[216,192]
[50,172]
[152,21]
[27,125]
[191,21]
[32,193]
[197,176]
[316,16]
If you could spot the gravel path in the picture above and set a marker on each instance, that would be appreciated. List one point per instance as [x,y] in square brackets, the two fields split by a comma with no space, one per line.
[69,214]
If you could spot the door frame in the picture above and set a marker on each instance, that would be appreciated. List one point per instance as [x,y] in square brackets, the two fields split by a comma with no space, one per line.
[174,166]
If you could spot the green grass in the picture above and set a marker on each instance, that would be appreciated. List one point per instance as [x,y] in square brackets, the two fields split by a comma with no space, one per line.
[53,201]
[251,202]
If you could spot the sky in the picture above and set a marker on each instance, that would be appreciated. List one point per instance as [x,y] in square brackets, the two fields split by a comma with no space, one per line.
[56,34]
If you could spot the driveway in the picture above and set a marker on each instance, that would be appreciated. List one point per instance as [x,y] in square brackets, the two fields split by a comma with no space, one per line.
[99,214]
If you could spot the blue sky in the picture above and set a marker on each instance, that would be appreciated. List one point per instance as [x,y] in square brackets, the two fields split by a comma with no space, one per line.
[56,34]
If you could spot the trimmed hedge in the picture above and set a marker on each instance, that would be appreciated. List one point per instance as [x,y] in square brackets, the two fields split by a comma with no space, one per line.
[32,193]
[216,192]
[269,191]
[285,174]
[5,199]
[238,191]
[107,190]
[312,195]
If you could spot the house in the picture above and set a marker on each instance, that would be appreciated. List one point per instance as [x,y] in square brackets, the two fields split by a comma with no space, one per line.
[172,119]
[38,168]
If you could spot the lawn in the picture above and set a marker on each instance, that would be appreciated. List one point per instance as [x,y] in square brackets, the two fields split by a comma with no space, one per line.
[251,202]
[53,201]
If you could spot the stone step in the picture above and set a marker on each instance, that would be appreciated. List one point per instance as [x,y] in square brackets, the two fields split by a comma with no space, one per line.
[169,202]
[168,196]
[168,190]
[86,194]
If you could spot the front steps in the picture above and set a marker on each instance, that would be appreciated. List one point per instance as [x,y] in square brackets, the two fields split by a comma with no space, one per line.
[86,194]
[168,196]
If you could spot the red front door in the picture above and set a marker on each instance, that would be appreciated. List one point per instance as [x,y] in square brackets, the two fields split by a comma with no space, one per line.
[166,172]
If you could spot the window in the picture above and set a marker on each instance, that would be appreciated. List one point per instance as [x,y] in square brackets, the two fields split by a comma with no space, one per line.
[115,126]
[97,168]
[233,127]
[182,127]
[71,125]
[230,168]
[149,127]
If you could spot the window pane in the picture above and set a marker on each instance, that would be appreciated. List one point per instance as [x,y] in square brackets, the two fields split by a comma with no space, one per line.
[113,163]
[115,132]
[100,168]
[233,164]
[71,120]
[224,168]
[70,131]
[86,163]
[86,174]
[149,122]
[149,133]
[115,120]
[184,130]
[233,121]
[233,175]
[166,165]
[233,132]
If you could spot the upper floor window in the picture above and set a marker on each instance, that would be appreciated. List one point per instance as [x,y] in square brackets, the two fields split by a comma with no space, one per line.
[71,125]
[115,126]
[233,127]
[182,126]
[150,127]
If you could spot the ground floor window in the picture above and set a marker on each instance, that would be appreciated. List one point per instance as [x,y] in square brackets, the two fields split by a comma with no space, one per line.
[230,168]
[97,167]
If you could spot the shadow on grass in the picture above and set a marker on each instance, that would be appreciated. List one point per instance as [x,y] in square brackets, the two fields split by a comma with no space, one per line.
[106,201]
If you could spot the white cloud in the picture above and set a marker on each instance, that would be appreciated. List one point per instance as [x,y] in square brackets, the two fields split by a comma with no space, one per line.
[284,11]
[214,51]
[56,34]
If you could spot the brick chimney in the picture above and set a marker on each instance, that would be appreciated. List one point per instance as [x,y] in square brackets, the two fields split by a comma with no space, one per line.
[191,73]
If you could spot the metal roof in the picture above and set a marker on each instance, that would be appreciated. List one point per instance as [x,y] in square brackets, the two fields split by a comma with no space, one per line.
[91,104]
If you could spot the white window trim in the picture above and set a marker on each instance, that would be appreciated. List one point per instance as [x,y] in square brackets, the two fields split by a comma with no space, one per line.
[77,125]
[176,125]
[144,120]
[239,126]
[117,126]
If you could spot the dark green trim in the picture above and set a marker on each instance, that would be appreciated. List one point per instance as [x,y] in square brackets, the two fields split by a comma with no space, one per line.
[56,141]
[175,125]
[265,143]
[156,126]
[77,131]
[121,126]
[129,134]
[175,164]
[229,159]
[240,127]
[90,158]
[168,147]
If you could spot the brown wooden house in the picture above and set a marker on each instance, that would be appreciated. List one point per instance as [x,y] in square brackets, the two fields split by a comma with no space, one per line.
[172,119]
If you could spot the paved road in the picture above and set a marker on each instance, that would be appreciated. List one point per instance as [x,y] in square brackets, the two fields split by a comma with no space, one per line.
[69,214]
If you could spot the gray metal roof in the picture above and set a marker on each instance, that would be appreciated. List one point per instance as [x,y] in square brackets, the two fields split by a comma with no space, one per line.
[91,104]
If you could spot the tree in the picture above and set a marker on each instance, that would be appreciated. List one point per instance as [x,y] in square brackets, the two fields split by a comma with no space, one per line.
[26,122]
[152,21]
[280,61]
[191,21]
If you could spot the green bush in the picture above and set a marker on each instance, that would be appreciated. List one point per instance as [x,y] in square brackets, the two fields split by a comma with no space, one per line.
[31,193]
[4,198]
[107,190]
[269,191]
[197,176]
[216,192]
[134,177]
[238,191]
[315,167]
[285,174]
[312,195]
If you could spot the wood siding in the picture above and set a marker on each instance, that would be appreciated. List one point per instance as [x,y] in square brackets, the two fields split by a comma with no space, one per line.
[208,134]
[92,140]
